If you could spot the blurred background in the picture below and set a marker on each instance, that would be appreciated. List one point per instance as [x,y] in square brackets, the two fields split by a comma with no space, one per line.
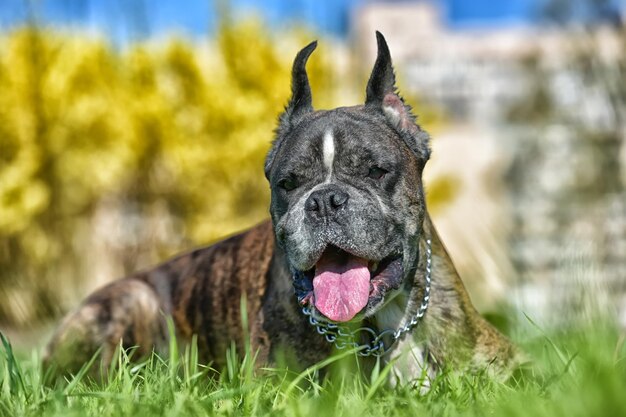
[131,130]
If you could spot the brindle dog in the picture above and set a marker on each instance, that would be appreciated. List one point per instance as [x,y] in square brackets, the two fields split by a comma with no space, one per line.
[349,231]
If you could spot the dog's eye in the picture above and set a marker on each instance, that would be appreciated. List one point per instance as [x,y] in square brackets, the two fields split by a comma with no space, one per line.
[288,184]
[376,173]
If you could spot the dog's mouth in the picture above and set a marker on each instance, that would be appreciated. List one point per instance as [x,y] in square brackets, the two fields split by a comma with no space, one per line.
[341,284]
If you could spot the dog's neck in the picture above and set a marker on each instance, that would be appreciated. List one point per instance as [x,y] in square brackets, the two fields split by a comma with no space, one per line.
[406,304]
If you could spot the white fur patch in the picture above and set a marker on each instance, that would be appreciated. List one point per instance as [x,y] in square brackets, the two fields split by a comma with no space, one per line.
[392,115]
[328,153]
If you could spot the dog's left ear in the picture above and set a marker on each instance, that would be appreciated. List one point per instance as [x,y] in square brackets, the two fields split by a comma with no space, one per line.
[382,94]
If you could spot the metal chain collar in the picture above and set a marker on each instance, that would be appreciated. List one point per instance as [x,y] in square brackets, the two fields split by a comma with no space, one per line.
[342,337]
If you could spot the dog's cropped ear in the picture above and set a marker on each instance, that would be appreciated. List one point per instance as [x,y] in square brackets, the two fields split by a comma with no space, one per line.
[299,104]
[382,94]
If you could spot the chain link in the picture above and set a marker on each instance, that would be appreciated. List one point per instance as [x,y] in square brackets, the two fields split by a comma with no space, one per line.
[343,337]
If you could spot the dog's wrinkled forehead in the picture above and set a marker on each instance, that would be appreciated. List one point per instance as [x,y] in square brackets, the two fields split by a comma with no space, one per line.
[344,139]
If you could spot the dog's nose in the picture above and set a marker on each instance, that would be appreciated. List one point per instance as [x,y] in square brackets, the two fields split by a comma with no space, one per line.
[326,201]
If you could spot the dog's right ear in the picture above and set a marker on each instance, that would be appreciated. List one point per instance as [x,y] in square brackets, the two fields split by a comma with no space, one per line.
[301,101]
[299,104]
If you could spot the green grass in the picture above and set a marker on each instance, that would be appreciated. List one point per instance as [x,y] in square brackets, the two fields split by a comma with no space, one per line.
[576,372]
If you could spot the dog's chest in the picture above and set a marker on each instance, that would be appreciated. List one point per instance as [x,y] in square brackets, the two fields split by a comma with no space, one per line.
[409,356]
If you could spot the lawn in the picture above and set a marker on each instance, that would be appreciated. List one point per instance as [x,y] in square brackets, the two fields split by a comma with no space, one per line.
[578,371]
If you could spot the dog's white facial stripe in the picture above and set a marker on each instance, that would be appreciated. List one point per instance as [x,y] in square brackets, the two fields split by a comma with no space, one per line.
[328,153]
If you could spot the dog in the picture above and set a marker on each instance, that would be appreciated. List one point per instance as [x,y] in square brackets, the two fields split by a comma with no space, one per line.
[350,258]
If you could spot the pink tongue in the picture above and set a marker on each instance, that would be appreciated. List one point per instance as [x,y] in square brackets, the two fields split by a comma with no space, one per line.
[341,286]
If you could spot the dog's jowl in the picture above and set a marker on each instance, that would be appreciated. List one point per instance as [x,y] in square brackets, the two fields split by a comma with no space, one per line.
[350,258]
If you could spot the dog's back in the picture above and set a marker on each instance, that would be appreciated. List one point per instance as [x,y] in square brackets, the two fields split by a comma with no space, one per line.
[196,289]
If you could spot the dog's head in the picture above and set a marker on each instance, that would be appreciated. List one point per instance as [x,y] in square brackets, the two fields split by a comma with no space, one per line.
[347,197]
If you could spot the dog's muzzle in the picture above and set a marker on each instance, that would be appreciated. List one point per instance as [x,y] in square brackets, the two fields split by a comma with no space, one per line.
[379,342]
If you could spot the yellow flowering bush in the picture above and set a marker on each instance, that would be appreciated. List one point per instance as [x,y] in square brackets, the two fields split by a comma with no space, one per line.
[111,160]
